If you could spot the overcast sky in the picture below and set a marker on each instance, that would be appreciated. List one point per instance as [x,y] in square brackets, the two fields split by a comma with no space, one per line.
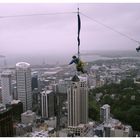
[56,34]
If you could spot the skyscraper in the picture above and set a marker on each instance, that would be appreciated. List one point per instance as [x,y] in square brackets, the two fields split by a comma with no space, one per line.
[6,122]
[105,113]
[83,100]
[6,83]
[23,77]
[34,82]
[47,104]
[74,102]
[77,101]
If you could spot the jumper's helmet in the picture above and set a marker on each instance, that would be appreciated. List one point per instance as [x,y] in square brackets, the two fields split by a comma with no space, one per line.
[74,57]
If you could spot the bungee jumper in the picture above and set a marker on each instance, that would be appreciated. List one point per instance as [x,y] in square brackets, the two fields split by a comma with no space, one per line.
[138,49]
[76,60]
[79,64]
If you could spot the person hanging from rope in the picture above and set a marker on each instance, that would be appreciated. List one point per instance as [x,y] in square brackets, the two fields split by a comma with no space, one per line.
[79,64]
[138,49]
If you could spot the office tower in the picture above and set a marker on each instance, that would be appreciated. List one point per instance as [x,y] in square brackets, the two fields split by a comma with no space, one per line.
[74,102]
[62,86]
[15,94]
[34,82]
[6,123]
[47,103]
[6,83]
[77,95]
[105,113]
[78,101]
[17,109]
[83,100]
[23,76]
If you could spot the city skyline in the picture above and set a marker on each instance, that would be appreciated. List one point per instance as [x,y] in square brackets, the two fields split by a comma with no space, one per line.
[69,70]
[89,105]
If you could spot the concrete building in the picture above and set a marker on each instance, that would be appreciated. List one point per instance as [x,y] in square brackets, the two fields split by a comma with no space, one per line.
[79,131]
[77,104]
[74,102]
[105,113]
[47,104]
[34,82]
[114,128]
[15,94]
[22,129]
[62,86]
[6,122]
[0,95]
[28,117]
[6,83]
[23,77]
[83,100]
[17,109]
[121,131]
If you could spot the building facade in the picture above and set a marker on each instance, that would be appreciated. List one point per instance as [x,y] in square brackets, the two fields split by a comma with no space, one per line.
[6,83]
[74,102]
[77,101]
[28,117]
[6,123]
[47,104]
[23,77]
[83,100]
[105,113]
[17,109]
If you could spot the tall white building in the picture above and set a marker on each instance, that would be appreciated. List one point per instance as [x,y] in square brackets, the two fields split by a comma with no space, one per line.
[6,83]
[23,77]
[105,113]
[74,102]
[77,101]
[47,104]
[83,100]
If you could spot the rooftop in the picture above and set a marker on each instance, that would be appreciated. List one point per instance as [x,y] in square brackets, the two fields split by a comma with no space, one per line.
[75,78]
[6,73]
[105,106]
[22,65]
[28,113]
[46,92]
[15,101]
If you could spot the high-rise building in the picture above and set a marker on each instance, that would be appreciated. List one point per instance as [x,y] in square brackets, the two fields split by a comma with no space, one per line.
[47,104]
[77,101]
[83,100]
[6,123]
[74,102]
[0,95]
[105,113]
[6,83]
[34,82]
[23,77]
[17,109]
